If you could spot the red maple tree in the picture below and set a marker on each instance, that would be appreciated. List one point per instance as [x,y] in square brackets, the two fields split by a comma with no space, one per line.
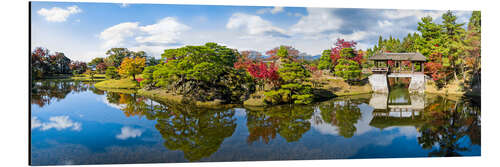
[338,46]
[264,73]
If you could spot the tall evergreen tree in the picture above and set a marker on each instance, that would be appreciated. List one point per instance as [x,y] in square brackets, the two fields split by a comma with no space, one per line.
[347,68]
[293,75]
[431,36]
[325,62]
[453,35]
[473,48]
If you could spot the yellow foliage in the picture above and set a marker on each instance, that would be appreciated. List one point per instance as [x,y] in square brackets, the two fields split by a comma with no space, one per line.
[132,66]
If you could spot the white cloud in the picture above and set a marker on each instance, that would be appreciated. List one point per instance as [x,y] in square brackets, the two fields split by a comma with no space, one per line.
[166,31]
[385,23]
[115,36]
[463,16]
[414,16]
[56,122]
[35,123]
[124,5]
[277,9]
[327,128]
[128,132]
[400,14]
[56,14]
[273,10]
[117,106]
[253,25]
[363,45]
[317,21]
[354,36]
[153,50]
[151,38]
[294,14]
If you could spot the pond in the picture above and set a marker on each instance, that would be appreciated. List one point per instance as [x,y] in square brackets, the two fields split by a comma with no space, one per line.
[75,123]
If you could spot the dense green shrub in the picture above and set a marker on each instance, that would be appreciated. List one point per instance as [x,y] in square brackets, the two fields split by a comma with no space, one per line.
[112,73]
[347,69]
[293,75]
[203,73]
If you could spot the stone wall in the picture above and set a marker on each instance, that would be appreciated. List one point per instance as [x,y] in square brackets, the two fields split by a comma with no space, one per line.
[417,84]
[379,83]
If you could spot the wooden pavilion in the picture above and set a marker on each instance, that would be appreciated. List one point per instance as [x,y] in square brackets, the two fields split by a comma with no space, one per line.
[382,62]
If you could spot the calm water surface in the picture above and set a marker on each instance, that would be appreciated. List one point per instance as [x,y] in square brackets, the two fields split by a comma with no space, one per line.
[75,123]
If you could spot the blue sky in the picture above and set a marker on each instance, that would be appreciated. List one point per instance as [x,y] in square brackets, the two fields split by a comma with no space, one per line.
[86,30]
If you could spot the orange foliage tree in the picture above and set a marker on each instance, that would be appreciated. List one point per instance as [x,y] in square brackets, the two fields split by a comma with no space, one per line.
[132,66]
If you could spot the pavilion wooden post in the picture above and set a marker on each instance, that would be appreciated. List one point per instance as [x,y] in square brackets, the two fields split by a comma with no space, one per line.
[412,66]
[422,66]
[399,64]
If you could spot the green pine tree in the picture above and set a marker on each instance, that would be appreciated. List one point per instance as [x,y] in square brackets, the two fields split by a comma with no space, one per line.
[293,75]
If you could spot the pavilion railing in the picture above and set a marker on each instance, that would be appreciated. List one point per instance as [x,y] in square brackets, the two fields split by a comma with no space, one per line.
[380,70]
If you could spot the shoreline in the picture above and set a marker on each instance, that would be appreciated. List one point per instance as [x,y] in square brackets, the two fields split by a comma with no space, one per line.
[331,89]
[255,100]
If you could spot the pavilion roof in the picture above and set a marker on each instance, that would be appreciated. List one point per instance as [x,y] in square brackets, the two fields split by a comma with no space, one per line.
[398,56]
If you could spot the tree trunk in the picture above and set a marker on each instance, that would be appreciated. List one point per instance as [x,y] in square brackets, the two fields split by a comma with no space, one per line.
[463,71]
[455,73]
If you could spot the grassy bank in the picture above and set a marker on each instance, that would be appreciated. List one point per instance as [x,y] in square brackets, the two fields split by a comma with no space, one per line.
[129,86]
[331,88]
[341,88]
[454,88]
[117,84]
[255,100]
[164,96]
[87,78]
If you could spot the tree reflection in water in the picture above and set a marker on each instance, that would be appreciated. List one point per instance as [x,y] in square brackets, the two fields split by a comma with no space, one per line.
[343,114]
[197,132]
[289,121]
[447,125]
[200,132]
[45,91]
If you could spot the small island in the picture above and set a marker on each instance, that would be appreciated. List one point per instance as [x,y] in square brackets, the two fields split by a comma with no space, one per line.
[213,75]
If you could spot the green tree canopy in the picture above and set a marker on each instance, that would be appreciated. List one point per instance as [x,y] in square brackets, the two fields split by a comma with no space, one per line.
[116,56]
[293,74]
[346,67]
[201,72]
[96,61]
[325,61]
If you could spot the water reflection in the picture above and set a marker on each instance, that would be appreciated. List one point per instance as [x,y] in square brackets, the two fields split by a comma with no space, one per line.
[197,133]
[342,114]
[289,121]
[361,125]
[444,125]
[448,123]
[44,92]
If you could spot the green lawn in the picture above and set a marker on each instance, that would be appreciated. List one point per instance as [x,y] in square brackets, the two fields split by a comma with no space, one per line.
[117,84]
[86,78]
